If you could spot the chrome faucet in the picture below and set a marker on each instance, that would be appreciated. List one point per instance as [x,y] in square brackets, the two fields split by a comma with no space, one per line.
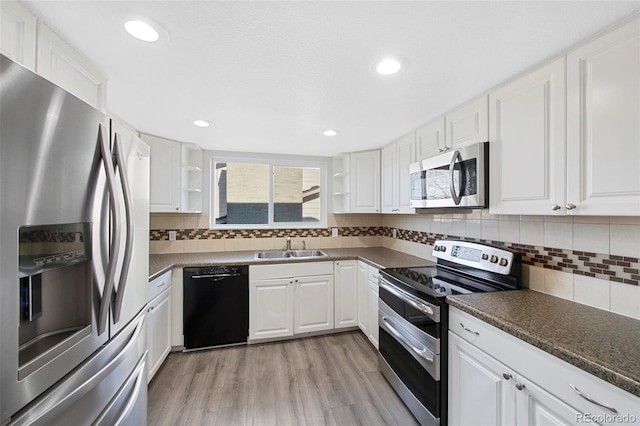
[288,243]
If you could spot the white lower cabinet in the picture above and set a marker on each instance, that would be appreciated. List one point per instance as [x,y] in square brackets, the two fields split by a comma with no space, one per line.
[345,273]
[312,304]
[479,394]
[374,331]
[368,301]
[363,297]
[288,299]
[159,323]
[270,308]
[497,379]
[483,391]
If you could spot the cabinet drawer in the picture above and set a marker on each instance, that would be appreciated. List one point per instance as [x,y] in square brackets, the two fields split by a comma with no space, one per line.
[287,270]
[159,284]
[547,371]
[372,273]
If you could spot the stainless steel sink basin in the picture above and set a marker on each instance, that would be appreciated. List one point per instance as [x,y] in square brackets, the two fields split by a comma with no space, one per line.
[307,253]
[272,254]
[289,254]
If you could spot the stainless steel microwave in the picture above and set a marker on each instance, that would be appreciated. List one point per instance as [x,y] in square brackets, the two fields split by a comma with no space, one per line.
[458,178]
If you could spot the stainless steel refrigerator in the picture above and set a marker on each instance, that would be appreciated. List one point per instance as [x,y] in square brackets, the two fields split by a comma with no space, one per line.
[74,226]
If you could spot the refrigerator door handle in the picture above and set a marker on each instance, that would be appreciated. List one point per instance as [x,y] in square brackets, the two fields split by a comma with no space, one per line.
[115,240]
[121,165]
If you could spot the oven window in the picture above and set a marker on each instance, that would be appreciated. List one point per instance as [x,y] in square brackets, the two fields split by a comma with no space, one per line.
[424,387]
[465,180]
[411,314]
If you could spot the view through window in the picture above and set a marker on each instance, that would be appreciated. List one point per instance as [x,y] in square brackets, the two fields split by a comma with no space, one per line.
[247,194]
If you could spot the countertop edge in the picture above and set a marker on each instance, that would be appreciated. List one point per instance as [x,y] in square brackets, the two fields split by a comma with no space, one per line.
[598,370]
[247,258]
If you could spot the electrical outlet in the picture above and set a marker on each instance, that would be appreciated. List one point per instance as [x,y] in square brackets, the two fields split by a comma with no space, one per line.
[334,232]
[394,233]
[172,235]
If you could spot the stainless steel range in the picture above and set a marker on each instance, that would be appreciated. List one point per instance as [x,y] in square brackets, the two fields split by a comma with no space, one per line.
[413,318]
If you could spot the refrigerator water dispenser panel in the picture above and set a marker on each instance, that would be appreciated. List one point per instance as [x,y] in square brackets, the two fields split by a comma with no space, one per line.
[46,247]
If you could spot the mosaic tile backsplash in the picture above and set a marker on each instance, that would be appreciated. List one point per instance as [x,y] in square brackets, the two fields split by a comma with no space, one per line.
[621,269]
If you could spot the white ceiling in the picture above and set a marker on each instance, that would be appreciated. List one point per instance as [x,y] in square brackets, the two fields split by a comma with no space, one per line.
[271,76]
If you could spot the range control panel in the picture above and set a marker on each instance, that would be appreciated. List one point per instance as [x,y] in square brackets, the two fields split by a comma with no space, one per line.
[477,255]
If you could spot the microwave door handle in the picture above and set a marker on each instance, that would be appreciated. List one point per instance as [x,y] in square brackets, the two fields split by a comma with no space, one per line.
[114,249]
[456,197]
[128,209]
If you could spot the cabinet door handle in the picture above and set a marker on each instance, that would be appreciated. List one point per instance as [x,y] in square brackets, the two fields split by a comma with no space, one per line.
[591,400]
[555,207]
[469,330]
[519,386]
[570,206]
[507,376]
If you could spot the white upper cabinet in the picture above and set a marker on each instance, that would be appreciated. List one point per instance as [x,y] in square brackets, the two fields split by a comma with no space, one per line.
[31,43]
[18,34]
[467,124]
[176,176]
[396,179]
[588,166]
[164,173]
[527,155]
[59,63]
[389,182]
[365,182]
[603,134]
[430,139]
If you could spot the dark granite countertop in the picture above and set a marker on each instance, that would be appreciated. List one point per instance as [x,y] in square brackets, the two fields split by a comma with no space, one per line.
[602,343]
[377,256]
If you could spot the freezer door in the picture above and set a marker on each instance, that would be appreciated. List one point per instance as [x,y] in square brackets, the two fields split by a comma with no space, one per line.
[109,388]
[132,174]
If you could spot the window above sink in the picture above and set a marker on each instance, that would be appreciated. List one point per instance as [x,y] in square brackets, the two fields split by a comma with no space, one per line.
[259,193]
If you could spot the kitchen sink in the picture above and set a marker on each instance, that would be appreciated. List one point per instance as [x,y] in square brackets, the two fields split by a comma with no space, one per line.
[289,254]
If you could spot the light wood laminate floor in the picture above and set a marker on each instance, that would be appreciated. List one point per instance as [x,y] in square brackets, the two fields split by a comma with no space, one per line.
[331,380]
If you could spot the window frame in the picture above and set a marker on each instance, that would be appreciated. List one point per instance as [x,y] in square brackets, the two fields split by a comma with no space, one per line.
[213,194]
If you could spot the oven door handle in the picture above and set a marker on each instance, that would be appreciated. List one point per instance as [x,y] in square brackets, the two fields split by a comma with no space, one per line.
[454,195]
[426,309]
[422,353]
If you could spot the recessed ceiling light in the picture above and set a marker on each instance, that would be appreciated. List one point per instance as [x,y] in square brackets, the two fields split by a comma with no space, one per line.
[329,133]
[388,66]
[201,123]
[141,30]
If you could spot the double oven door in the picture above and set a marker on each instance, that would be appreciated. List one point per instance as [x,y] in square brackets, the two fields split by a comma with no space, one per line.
[412,350]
